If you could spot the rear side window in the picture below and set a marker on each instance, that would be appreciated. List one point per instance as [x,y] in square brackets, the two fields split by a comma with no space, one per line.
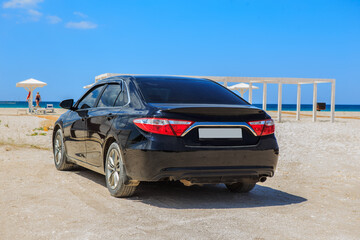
[109,95]
[182,90]
[122,98]
[89,100]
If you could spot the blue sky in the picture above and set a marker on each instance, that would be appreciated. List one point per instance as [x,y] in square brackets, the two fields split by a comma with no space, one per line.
[66,43]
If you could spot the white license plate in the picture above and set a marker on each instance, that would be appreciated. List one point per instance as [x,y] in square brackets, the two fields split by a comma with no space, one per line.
[220,133]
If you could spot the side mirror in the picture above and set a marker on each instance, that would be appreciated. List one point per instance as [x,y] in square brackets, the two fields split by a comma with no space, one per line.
[67,104]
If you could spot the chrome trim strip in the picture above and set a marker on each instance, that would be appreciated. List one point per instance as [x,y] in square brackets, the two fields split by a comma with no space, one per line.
[127,91]
[224,147]
[218,124]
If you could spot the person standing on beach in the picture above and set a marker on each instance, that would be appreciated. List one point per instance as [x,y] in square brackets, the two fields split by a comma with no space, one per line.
[37,99]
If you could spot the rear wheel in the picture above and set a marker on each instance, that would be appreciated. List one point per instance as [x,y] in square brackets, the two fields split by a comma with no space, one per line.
[60,158]
[115,173]
[241,187]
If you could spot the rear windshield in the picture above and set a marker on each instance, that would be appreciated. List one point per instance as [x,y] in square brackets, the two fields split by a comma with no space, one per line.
[167,90]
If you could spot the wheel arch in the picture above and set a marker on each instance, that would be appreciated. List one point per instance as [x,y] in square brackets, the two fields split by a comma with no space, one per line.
[56,128]
[108,142]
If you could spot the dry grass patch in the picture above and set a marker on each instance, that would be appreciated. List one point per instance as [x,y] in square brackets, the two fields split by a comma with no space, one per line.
[8,146]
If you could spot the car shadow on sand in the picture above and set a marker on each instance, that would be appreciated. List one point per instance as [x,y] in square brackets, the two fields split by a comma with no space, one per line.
[177,196]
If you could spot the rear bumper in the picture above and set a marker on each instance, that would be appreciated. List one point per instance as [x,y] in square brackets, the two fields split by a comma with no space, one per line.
[201,166]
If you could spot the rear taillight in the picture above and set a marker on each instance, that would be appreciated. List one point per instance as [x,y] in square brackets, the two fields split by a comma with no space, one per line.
[163,126]
[263,127]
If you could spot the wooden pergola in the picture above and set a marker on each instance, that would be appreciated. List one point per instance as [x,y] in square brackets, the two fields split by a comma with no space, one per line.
[269,80]
[280,82]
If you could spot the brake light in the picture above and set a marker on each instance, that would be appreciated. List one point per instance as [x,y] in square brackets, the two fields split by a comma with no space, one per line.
[263,127]
[163,126]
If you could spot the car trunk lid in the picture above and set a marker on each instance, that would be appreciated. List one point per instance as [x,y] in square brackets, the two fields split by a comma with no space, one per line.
[213,112]
[211,119]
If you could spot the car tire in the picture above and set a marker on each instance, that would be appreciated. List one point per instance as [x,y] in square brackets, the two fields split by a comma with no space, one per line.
[241,187]
[115,173]
[59,151]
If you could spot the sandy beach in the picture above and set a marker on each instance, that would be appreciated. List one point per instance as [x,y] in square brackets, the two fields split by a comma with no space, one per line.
[315,193]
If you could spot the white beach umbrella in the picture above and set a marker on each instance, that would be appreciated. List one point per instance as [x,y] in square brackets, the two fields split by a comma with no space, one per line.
[242,88]
[30,85]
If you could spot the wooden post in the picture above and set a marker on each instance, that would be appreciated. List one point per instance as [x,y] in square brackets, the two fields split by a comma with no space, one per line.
[250,92]
[333,101]
[298,102]
[314,102]
[264,95]
[279,101]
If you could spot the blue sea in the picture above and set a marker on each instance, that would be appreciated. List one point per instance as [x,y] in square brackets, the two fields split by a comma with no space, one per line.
[270,107]
[308,107]
[24,104]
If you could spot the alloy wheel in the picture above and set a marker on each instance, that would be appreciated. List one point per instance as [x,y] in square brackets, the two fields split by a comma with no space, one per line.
[113,169]
[58,149]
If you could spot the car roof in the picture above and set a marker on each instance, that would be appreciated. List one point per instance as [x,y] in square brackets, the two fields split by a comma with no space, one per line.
[145,77]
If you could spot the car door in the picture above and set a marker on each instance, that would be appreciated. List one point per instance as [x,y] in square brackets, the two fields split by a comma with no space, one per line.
[76,130]
[75,133]
[99,123]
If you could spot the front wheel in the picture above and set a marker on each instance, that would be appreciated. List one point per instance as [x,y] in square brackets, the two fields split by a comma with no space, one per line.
[115,174]
[60,158]
[241,187]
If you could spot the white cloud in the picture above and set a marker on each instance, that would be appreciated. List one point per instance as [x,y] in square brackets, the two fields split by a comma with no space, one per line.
[81,25]
[26,10]
[34,15]
[53,19]
[21,3]
[80,14]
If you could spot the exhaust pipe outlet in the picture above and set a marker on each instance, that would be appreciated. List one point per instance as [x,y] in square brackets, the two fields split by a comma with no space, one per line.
[262,179]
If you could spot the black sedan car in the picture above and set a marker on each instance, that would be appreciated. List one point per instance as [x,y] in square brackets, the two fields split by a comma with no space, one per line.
[157,128]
